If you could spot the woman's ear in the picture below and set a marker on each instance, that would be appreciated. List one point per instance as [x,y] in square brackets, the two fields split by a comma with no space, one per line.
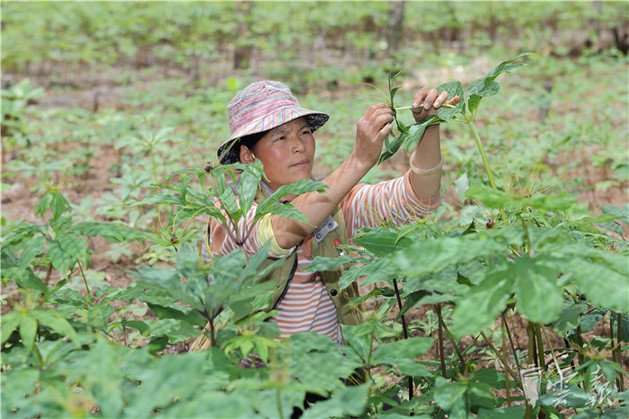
[246,155]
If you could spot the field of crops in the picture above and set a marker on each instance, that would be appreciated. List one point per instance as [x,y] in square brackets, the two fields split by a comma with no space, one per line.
[511,300]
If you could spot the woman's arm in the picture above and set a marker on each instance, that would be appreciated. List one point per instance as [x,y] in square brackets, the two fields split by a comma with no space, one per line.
[426,160]
[371,130]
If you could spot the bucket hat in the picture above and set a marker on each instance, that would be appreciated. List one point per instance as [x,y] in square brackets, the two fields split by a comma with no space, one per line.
[260,107]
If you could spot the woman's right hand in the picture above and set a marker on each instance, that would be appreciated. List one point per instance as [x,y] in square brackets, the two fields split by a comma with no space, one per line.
[371,130]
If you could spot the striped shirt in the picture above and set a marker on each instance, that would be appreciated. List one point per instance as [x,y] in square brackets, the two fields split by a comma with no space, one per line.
[306,305]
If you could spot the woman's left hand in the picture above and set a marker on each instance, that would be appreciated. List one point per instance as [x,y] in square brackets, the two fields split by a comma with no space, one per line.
[427,101]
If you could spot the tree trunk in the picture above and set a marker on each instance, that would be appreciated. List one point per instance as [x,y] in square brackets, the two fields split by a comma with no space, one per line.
[243,47]
[395,27]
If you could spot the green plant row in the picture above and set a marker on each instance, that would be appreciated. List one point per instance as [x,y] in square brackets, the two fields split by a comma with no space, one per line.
[182,34]
[74,346]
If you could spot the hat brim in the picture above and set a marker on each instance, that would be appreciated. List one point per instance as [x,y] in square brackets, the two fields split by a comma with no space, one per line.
[228,153]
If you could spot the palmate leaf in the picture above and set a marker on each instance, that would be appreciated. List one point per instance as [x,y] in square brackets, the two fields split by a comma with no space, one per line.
[350,401]
[55,321]
[434,255]
[248,185]
[493,198]
[402,351]
[390,148]
[454,88]
[536,290]
[382,242]
[416,131]
[486,86]
[110,232]
[297,188]
[486,300]
[601,275]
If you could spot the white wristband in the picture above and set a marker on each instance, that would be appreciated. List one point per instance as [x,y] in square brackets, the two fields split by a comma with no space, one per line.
[424,172]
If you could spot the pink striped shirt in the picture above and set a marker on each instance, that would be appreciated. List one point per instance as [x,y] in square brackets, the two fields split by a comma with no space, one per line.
[306,305]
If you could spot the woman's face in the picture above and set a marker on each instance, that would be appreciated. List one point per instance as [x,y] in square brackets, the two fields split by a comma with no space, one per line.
[287,153]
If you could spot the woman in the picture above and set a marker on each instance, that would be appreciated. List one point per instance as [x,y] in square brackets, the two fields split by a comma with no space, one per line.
[268,124]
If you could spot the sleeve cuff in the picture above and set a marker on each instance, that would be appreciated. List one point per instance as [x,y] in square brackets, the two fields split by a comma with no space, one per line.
[265,233]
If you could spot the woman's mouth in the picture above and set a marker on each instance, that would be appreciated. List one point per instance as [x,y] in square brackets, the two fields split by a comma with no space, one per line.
[301,163]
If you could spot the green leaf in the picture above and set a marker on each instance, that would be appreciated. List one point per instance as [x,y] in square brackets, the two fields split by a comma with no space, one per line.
[536,290]
[434,255]
[569,317]
[603,286]
[58,205]
[454,88]
[110,232]
[486,300]
[230,205]
[248,186]
[375,271]
[60,259]
[382,242]
[486,86]
[416,131]
[403,354]
[54,320]
[499,199]
[33,248]
[320,263]
[392,147]
[74,246]
[156,199]
[178,313]
[9,322]
[288,211]
[28,330]
[450,396]
[622,213]
[297,188]
[26,278]
[350,401]
[505,413]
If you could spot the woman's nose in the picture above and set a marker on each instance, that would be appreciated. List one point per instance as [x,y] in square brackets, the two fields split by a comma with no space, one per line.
[297,144]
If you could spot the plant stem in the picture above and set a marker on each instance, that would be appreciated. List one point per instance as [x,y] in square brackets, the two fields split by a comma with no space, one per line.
[506,357]
[404,332]
[452,340]
[515,355]
[531,353]
[278,399]
[212,338]
[481,149]
[501,358]
[405,108]
[48,273]
[440,331]
[618,350]
[540,346]
[89,294]
[526,235]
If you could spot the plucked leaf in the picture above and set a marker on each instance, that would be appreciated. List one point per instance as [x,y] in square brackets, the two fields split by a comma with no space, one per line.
[486,86]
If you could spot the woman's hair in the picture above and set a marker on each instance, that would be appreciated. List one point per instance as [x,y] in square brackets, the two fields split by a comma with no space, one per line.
[249,141]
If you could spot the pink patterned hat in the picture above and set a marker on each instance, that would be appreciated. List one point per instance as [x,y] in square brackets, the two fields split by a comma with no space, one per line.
[260,107]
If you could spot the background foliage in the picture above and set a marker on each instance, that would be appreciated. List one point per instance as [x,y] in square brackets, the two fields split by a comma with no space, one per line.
[111,114]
